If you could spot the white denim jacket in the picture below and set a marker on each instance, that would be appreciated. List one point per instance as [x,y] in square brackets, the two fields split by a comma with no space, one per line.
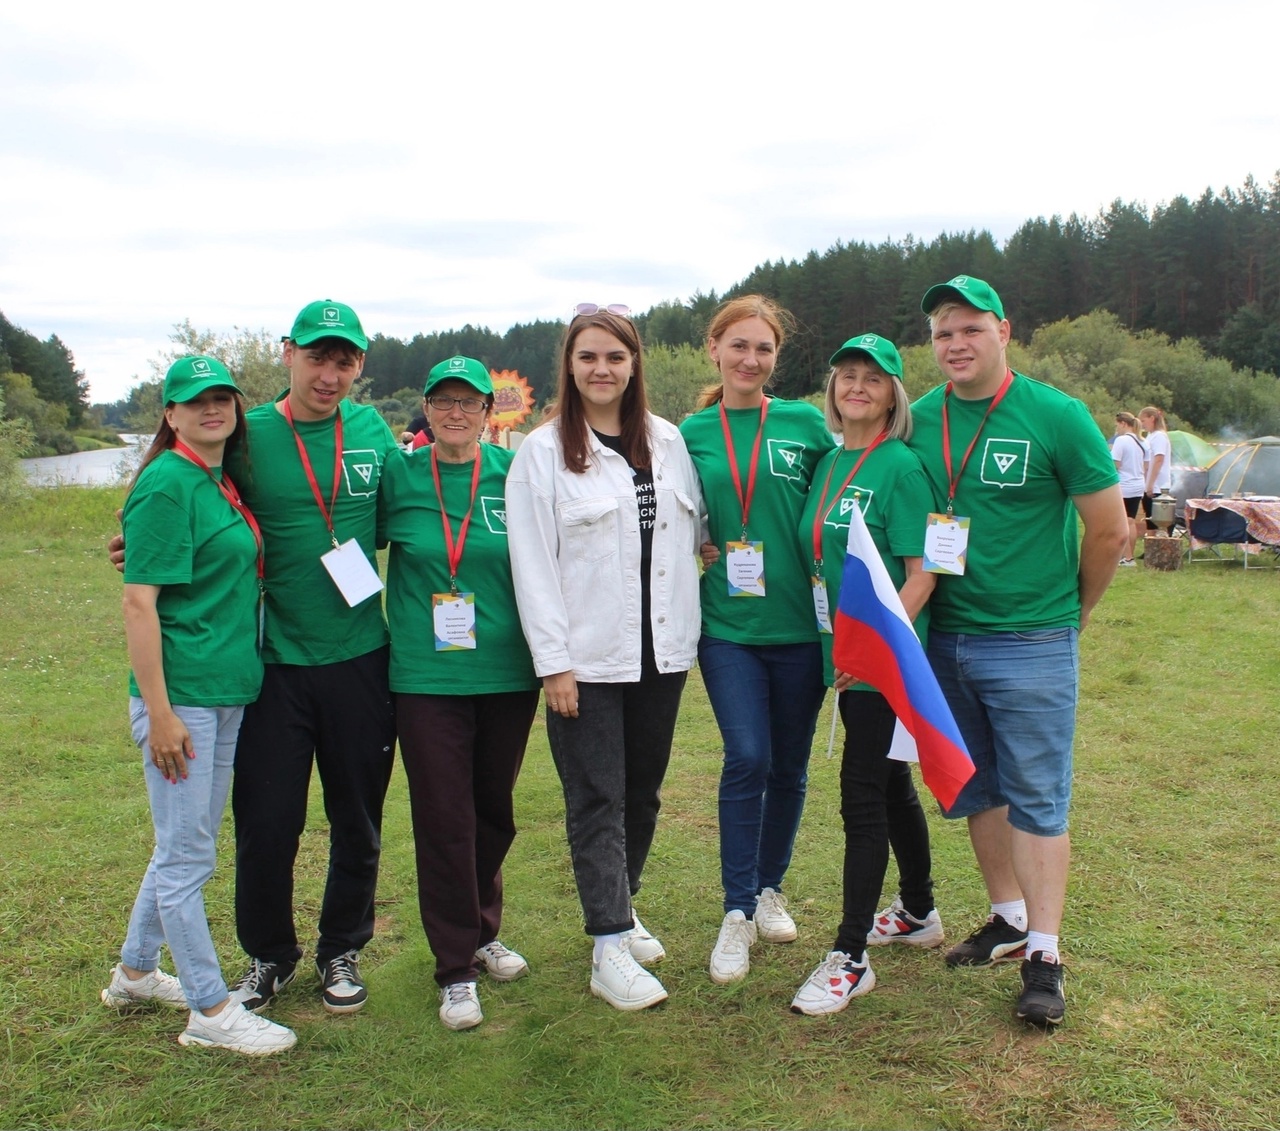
[575,556]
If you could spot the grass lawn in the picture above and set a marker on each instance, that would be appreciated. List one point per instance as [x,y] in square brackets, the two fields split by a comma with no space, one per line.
[1173,1013]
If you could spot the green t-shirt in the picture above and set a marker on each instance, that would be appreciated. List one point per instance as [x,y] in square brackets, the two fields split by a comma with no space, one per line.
[896,500]
[795,438]
[184,536]
[409,518]
[308,620]
[1038,449]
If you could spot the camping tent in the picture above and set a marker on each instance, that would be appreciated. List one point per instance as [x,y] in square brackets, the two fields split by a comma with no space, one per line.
[1191,451]
[1252,467]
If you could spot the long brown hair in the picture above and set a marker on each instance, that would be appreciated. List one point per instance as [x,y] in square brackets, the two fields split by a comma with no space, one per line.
[166,437]
[568,410]
[737,310]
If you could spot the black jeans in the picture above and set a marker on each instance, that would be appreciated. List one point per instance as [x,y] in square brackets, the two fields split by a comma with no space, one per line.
[879,807]
[462,755]
[611,760]
[339,716]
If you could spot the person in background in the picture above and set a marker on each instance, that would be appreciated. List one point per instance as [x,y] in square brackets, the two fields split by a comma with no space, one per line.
[463,682]
[1130,455]
[759,653]
[1018,461]
[602,515]
[191,605]
[1159,476]
[874,471]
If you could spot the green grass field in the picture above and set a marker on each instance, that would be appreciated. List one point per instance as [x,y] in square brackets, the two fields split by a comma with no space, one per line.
[1170,939]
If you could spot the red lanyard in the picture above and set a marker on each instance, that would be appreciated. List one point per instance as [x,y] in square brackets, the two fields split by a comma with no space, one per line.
[954,480]
[821,516]
[232,495]
[744,499]
[454,551]
[327,512]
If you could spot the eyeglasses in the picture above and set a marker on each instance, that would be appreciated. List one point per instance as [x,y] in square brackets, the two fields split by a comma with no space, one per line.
[442,403]
[617,308]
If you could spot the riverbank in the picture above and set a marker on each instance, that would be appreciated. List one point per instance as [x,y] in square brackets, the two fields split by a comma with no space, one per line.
[101,468]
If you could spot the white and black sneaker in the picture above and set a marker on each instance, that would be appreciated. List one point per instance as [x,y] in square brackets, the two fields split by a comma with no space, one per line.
[261,982]
[344,992]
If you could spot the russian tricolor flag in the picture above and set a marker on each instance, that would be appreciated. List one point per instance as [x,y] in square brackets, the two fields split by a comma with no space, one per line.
[875,643]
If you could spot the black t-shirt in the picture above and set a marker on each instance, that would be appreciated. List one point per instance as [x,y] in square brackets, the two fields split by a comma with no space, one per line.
[647,505]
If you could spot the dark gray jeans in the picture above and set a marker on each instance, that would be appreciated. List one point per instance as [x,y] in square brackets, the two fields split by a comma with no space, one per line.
[611,760]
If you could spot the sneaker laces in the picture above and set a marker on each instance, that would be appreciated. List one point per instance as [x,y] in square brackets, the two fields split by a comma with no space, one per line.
[254,976]
[342,968]
[987,928]
[1042,975]
[457,993]
[495,950]
[626,965]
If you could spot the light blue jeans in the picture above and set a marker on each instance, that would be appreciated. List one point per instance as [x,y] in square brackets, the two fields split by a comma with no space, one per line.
[1013,695]
[170,904]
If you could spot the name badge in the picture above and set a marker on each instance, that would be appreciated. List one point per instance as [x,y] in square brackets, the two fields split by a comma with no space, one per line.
[744,567]
[821,608]
[454,617]
[355,578]
[946,544]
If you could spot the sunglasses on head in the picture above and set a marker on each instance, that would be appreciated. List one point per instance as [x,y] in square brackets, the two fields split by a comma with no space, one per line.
[588,308]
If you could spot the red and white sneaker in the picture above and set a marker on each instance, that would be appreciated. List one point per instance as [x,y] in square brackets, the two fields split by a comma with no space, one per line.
[893,924]
[837,980]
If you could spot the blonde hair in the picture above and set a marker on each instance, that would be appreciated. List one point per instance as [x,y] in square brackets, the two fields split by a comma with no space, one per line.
[740,309]
[898,426]
[1157,418]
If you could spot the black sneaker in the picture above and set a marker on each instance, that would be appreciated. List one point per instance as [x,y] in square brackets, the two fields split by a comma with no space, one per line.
[1041,1001]
[344,992]
[261,982]
[994,941]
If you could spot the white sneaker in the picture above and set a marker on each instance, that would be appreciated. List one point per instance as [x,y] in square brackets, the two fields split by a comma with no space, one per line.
[154,985]
[773,924]
[643,946]
[503,965]
[237,1030]
[836,981]
[623,982]
[460,1006]
[731,958]
[894,924]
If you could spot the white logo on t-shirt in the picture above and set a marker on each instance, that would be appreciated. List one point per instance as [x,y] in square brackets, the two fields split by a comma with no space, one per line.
[786,459]
[360,467]
[494,510]
[1004,462]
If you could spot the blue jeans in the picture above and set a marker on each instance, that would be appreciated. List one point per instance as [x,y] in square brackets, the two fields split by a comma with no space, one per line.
[766,699]
[170,904]
[1013,695]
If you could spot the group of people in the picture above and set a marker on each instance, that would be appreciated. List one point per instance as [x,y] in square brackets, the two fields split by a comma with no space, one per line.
[1145,468]
[572,569]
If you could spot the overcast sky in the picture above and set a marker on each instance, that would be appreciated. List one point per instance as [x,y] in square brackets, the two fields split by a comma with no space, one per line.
[434,165]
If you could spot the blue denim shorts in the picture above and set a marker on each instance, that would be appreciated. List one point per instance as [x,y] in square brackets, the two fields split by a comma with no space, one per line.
[1014,695]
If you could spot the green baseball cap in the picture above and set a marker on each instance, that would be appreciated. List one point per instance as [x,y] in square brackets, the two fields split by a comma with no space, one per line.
[327,319]
[882,351]
[188,377]
[474,373]
[966,289]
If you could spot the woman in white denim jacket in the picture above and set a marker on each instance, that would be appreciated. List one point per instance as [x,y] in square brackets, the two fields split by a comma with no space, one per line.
[603,510]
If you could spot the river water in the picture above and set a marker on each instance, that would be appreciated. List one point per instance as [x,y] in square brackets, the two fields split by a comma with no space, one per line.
[87,469]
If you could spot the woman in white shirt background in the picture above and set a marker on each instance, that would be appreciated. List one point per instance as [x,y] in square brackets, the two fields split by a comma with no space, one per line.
[1130,454]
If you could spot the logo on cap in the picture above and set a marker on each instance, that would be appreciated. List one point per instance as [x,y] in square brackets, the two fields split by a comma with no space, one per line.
[332,316]
[960,281]
[199,366]
[869,340]
[457,363]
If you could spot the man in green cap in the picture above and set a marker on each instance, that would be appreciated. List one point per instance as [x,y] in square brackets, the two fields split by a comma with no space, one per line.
[1013,461]
[315,461]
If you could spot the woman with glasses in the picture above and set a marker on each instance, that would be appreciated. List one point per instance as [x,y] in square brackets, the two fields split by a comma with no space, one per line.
[191,616]
[759,652]
[602,506]
[463,684]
